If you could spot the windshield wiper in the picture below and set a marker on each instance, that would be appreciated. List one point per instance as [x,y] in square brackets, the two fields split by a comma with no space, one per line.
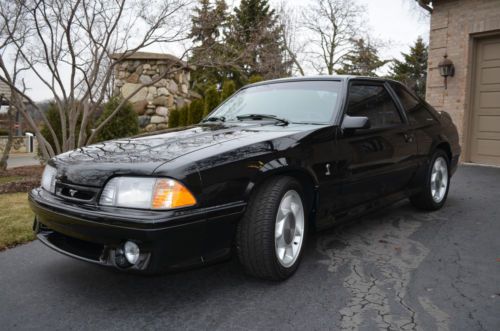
[215,119]
[261,117]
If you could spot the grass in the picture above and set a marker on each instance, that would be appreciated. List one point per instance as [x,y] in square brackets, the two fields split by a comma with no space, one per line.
[16,220]
[9,179]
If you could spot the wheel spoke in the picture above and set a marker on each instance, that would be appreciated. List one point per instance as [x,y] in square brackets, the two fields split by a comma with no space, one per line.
[278,230]
[287,201]
[289,252]
[280,241]
[281,252]
[281,214]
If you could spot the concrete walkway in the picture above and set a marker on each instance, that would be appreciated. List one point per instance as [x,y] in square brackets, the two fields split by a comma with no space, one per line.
[24,159]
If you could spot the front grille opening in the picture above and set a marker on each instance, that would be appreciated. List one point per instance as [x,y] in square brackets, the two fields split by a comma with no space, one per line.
[76,247]
[77,194]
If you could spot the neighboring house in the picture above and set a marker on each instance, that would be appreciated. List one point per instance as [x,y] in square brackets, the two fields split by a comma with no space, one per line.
[20,126]
[4,97]
[4,106]
[468,32]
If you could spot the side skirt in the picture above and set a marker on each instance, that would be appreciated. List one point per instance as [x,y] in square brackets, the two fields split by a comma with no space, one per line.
[365,208]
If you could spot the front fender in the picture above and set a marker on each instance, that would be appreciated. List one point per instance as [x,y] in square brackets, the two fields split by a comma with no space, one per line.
[237,180]
[281,167]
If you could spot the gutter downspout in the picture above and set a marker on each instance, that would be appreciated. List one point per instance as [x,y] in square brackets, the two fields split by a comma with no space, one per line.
[425,6]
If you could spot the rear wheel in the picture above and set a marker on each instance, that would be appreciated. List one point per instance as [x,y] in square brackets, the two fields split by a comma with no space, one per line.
[271,234]
[437,183]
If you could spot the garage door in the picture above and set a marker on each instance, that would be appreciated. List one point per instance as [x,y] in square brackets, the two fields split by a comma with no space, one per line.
[485,133]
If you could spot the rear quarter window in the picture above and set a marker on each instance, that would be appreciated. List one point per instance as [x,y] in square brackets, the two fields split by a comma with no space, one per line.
[416,111]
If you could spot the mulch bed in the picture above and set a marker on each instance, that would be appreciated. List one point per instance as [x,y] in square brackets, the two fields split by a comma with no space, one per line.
[31,176]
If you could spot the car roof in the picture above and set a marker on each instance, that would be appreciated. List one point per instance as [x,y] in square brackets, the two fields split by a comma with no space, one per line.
[342,78]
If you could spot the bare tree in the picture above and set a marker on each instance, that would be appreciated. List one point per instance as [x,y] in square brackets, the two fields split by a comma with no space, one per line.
[332,25]
[294,46]
[69,46]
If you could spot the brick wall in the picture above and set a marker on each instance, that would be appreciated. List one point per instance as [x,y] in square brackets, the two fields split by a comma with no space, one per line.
[453,25]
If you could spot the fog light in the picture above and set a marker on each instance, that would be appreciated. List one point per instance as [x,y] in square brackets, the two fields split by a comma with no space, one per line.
[132,252]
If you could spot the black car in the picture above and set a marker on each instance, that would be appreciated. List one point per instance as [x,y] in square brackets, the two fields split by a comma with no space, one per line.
[274,161]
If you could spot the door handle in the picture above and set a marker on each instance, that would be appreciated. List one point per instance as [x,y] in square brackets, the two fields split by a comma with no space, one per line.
[409,137]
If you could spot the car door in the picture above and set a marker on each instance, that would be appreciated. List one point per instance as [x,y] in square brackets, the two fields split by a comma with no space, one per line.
[379,160]
[420,119]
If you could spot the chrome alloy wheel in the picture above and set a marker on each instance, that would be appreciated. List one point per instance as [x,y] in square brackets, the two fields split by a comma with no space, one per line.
[289,229]
[439,179]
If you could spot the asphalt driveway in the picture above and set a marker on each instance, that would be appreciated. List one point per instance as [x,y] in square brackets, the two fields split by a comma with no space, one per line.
[397,269]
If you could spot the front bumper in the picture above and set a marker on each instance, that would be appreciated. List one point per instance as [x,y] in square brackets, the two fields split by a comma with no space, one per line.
[167,239]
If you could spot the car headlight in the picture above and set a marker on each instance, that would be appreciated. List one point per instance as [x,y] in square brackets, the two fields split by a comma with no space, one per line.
[146,193]
[49,179]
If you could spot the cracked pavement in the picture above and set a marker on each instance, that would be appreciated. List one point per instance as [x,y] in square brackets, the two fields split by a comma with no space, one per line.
[397,269]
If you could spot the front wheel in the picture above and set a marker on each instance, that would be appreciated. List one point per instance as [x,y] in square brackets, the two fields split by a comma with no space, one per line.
[437,183]
[271,234]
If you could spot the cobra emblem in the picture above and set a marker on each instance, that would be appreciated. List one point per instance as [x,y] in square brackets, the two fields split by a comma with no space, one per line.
[327,173]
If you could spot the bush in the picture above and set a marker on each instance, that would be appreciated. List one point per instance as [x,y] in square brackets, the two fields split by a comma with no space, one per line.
[212,99]
[196,109]
[255,79]
[228,89]
[173,118]
[183,115]
[124,124]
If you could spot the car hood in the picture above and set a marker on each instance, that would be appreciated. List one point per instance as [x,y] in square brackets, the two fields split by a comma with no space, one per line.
[94,164]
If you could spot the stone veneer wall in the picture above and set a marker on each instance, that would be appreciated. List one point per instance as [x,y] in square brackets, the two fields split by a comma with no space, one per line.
[154,103]
[453,24]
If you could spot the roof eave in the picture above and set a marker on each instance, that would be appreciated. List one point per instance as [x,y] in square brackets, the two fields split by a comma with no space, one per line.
[425,4]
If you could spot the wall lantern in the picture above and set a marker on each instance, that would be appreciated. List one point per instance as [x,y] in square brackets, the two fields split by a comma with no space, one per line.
[446,69]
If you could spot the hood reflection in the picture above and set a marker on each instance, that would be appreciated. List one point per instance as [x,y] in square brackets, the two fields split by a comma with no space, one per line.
[155,148]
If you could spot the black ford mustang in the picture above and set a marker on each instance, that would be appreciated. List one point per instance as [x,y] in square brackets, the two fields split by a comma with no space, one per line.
[275,160]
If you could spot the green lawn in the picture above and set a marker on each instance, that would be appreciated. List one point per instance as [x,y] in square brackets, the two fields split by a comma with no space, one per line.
[16,220]
[9,179]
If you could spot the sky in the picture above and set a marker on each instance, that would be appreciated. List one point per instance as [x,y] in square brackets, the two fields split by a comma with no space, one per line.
[395,23]
[400,22]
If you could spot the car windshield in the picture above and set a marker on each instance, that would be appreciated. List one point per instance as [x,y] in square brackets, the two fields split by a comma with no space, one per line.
[296,102]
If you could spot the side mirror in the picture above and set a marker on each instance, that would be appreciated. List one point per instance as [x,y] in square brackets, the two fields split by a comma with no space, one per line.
[355,122]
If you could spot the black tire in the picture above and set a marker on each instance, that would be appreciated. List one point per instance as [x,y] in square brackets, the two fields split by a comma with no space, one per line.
[424,200]
[255,242]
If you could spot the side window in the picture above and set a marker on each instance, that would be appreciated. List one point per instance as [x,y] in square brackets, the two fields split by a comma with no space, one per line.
[416,111]
[374,102]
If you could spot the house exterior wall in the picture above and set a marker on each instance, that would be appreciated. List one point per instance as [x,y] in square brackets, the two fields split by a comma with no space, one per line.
[454,26]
